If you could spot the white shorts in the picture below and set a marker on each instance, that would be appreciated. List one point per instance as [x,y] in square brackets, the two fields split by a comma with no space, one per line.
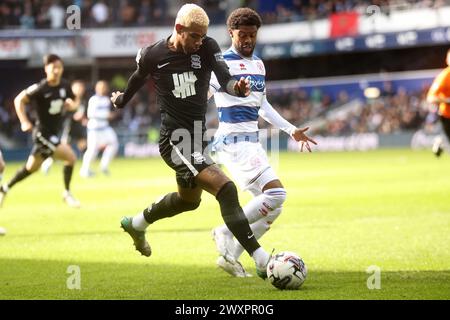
[99,138]
[248,164]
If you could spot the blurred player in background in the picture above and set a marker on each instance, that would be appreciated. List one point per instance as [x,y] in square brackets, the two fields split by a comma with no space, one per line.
[2,169]
[50,98]
[74,126]
[181,66]
[100,134]
[439,94]
[237,142]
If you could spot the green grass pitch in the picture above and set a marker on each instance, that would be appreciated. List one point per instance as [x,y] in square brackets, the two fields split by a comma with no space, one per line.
[344,213]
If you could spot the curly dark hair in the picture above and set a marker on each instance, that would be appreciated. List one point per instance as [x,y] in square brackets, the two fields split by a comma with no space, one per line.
[243,17]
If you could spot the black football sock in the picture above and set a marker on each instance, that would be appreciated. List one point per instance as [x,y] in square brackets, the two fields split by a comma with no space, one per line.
[67,170]
[234,217]
[20,175]
[170,205]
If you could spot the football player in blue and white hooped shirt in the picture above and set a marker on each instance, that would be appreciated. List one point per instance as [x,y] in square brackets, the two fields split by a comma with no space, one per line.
[237,143]
[100,134]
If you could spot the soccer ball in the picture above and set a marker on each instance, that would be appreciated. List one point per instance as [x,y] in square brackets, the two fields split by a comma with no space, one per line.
[286,270]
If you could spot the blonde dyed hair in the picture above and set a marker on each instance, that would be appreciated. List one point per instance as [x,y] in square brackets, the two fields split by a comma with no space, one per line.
[190,14]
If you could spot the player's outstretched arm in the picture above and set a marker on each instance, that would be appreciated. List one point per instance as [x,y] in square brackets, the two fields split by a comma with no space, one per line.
[268,113]
[78,92]
[136,81]
[20,103]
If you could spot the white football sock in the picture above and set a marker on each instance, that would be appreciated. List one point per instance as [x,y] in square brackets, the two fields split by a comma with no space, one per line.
[139,223]
[260,206]
[261,257]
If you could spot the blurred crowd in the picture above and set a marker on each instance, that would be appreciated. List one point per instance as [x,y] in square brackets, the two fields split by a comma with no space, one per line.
[393,111]
[40,14]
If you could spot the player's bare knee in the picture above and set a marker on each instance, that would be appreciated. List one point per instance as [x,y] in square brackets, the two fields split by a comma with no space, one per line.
[71,158]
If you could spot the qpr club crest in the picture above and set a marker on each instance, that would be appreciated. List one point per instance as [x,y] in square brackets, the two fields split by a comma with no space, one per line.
[62,93]
[260,66]
[195,61]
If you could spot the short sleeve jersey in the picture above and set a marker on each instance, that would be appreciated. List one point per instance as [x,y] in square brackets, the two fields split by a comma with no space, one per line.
[49,102]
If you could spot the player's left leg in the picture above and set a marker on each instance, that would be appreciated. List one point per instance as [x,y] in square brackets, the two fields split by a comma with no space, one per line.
[262,211]
[186,199]
[89,156]
[65,153]
[110,151]
[439,142]
[213,180]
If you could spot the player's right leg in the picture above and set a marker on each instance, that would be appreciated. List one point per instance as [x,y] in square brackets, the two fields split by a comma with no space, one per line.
[46,165]
[186,199]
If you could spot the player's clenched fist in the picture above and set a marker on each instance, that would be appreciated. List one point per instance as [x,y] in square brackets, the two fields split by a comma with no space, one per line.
[242,87]
[26,126]
[116,99]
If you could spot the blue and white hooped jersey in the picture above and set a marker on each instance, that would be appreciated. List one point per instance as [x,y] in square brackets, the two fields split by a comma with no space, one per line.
[99,109]
[238,114]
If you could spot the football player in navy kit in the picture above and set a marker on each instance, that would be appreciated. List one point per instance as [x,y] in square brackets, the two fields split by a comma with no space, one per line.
[181,67]
[51,97]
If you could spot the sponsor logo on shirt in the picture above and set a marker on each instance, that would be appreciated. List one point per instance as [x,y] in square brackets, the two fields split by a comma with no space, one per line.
[219,57]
